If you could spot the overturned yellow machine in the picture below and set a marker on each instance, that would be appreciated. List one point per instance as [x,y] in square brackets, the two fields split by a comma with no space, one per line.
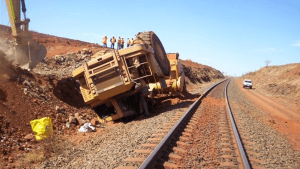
[119,83]
[175,82]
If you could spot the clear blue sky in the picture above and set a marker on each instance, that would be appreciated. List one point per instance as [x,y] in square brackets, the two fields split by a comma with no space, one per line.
[233,36]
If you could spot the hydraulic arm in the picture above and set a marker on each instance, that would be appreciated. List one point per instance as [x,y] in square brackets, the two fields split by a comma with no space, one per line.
[27,53]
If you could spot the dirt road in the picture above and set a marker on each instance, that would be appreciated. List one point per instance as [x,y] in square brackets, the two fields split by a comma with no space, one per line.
[283,118]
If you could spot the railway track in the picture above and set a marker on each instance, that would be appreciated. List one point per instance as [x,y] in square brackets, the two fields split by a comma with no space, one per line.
[205,136]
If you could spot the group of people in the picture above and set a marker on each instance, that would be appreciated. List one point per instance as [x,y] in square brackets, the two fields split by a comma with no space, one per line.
[120,42]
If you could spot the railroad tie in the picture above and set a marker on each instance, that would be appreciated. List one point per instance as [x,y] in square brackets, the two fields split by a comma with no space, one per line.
[149,145]
[223,131]
[253,153]
[168,127]
[188,130]
[223,128]
[228,157]
[225,144]
[247,142]
[184,138]
[228,165]
[257,167]
[147,152]
[227,150]
[248,147]
[156,140]
[190,126]
[126,167]
[225,139]
[192,123]
[179,151]
[133,160]
[194,120]
[256,160]
[158,135]
[169,124]
[180,143]
[168,165]
[163,131]
[175,157]
[225,135]
[187,134]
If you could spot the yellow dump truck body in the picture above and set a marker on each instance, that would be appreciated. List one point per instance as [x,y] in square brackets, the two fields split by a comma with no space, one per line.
[123,79]
[116,74]
[113,73]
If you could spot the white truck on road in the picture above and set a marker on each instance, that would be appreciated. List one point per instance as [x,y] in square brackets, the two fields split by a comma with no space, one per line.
[247,83]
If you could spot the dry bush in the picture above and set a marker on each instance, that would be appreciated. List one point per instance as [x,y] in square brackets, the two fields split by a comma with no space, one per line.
[56,145]
[34,157]
[51,146]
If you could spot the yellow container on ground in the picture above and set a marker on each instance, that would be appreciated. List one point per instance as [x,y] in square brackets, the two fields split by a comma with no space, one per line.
[42,128]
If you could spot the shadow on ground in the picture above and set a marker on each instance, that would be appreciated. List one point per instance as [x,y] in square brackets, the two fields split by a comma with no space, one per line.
[67,90]
[165,103]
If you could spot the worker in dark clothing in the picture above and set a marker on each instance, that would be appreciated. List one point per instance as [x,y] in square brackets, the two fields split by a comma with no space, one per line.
[112,41]
[122,43]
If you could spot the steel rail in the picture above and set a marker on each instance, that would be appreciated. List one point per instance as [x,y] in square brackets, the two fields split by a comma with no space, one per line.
[236,133]
[151,160]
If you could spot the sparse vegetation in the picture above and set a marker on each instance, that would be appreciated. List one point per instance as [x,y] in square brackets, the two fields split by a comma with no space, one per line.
[267,62]
[47,148]
[280,81]
[34,157]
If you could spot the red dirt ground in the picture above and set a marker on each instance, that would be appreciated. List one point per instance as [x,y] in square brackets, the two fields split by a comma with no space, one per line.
[284,119]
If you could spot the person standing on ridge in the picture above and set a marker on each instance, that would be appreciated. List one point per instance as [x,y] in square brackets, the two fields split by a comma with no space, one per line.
[132,42]
[119,42]
[112,41]
[128,42]
[104,41]
[122,43]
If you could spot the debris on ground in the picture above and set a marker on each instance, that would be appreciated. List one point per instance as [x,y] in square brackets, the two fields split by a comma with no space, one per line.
[87,127]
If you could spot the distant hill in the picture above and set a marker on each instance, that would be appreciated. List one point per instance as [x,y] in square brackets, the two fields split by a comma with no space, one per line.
[198,73]
[281,80]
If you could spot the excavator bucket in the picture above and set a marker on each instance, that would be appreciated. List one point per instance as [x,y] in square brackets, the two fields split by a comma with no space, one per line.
[28,56]
[27,53]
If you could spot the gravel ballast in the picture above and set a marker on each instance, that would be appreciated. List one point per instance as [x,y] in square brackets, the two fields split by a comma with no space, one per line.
[275,150]
[110,149]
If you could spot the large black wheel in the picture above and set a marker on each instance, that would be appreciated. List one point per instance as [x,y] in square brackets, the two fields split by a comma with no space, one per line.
[150,39]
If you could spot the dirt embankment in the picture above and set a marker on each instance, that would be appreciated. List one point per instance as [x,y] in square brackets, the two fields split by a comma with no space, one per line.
[276,90]
[196,73]
[25,96]
[280,81]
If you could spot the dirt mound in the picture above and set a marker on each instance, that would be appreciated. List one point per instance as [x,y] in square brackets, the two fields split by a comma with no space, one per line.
[281,81]
[198,73]
[47,91]
[55,45]
[25,96]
